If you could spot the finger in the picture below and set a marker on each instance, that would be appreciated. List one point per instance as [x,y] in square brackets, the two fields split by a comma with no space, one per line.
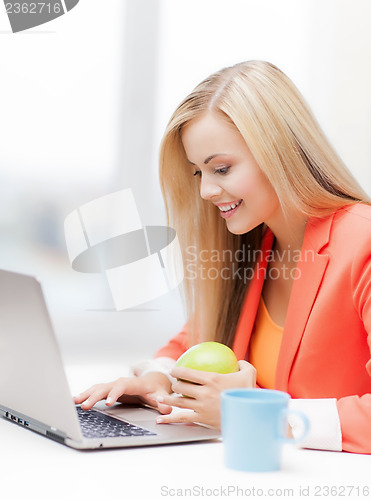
[119,388]
[247,373]
[164,409]
[245,365]
[178,401]
[178,418]
[187,389]
[79,398]
[151,398]
[94,398]
[190,375]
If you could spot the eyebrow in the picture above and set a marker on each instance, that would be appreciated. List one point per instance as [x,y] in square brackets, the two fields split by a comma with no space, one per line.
[209,158]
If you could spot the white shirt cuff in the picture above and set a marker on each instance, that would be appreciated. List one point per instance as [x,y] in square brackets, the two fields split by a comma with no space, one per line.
[159,365]
[324,423]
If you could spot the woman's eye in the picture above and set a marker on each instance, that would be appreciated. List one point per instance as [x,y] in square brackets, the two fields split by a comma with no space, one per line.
[222,171]
[198,172]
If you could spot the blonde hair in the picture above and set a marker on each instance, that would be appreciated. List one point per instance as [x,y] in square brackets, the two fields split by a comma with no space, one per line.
[292,151]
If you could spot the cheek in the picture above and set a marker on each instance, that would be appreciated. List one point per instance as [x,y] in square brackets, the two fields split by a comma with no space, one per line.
[258,194]
[245,185]
[254,187]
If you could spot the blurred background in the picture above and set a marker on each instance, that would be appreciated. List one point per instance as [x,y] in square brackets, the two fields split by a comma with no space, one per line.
[84,102]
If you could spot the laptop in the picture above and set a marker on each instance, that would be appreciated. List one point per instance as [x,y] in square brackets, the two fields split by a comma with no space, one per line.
[34,391]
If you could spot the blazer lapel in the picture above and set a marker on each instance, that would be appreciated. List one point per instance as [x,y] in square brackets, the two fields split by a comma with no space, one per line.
[310,270]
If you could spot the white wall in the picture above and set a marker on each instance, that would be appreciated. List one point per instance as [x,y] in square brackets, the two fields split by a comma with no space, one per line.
[59,121]
[59,88]
[323,45]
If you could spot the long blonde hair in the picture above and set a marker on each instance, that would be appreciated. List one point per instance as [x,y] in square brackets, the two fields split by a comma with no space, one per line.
[291,150]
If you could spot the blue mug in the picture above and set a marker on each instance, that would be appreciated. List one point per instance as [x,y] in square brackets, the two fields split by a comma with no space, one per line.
[254,427]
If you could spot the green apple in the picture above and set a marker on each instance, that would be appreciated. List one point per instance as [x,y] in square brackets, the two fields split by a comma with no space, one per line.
[209,357]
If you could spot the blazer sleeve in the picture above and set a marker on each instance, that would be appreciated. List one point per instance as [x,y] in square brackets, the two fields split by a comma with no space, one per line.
[355,411]
[176,346]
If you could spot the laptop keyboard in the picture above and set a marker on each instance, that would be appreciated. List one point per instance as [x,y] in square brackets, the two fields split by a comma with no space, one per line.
[96,425]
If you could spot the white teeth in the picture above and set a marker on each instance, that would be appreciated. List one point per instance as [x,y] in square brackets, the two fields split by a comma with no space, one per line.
[225,208]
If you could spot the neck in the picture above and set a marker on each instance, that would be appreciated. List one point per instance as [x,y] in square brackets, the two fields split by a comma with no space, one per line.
[289,231]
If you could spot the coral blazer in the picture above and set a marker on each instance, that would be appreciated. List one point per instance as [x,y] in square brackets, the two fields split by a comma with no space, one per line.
[326,343]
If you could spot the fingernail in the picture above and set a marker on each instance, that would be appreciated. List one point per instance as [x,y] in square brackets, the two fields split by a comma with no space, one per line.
[159,420]
[160,399]
[109,401]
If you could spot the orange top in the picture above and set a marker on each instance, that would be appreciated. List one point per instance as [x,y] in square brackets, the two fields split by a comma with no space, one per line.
[265,346]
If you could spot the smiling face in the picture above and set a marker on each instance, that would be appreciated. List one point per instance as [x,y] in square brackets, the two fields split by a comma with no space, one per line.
[229,176]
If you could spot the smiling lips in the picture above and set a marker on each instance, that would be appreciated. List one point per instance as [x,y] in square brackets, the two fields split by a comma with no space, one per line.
[228,209]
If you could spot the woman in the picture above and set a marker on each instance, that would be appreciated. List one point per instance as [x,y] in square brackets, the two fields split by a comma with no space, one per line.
[276,239]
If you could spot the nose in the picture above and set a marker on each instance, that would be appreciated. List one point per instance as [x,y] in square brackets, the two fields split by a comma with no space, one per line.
[209,188]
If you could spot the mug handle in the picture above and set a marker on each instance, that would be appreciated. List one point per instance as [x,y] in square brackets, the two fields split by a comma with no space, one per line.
[284,422]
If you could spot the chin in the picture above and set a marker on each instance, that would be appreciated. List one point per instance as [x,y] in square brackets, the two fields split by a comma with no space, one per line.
[237,232]
[238,229]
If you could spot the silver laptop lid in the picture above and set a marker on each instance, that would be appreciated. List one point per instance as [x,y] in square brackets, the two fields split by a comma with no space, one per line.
[32,378]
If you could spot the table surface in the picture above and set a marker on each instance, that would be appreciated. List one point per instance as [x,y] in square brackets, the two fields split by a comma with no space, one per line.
[32,463]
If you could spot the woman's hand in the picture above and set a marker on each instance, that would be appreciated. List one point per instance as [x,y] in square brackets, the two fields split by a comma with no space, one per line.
[203,393]
[143,389]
